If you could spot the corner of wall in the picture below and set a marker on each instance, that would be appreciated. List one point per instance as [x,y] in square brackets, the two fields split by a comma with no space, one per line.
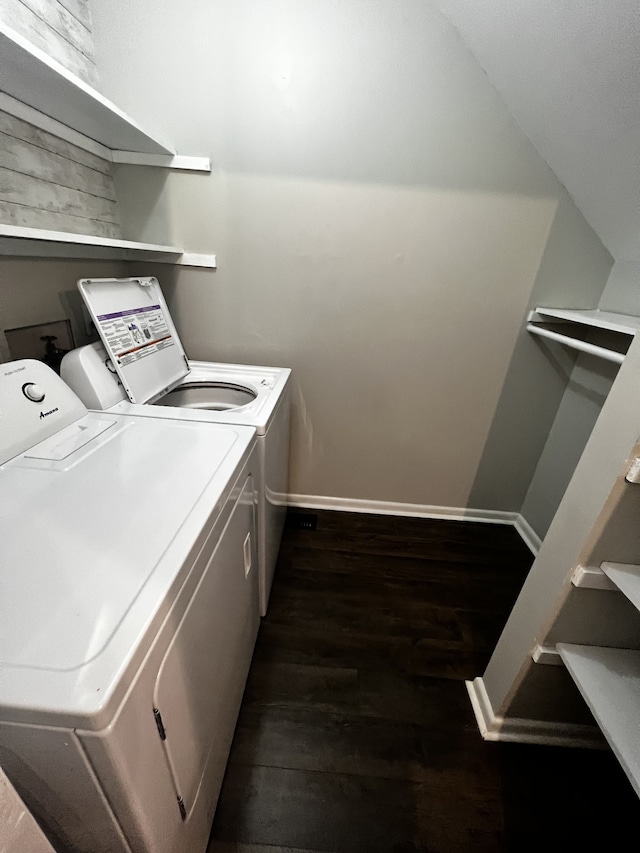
[622,290]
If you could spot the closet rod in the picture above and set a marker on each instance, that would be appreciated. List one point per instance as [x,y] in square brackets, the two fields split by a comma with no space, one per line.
[583,346]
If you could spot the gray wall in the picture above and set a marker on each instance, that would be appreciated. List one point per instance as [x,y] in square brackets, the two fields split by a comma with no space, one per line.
[622,293]
[44,291]
[580,407]
[381,225]
[538,376]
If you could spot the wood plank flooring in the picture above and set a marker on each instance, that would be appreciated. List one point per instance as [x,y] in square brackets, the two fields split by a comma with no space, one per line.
[356,734]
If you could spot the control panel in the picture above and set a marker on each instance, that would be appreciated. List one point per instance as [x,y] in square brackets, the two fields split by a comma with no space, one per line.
[34,404]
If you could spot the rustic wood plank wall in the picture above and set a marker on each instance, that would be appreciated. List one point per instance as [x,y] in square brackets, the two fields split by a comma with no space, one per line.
[61,28]
[48,183]
[45,182]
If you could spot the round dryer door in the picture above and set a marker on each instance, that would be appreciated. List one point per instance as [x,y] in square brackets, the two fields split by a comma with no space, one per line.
[215,396]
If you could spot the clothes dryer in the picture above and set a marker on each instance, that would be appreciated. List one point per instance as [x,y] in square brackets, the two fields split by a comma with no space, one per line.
[139,367]
[128,615]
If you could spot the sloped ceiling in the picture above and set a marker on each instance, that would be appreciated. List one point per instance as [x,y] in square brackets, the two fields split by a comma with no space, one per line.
[569,71]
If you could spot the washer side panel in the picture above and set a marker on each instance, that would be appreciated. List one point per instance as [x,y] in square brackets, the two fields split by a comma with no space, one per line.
[50,772]
[274,493]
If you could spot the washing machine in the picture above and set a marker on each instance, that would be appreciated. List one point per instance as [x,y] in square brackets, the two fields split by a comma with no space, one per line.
[139,367]
[128,615]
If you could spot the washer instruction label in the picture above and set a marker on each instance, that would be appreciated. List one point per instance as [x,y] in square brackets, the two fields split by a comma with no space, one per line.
[136,333]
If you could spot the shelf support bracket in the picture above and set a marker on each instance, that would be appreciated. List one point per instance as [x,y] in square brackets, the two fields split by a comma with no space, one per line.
[163,161]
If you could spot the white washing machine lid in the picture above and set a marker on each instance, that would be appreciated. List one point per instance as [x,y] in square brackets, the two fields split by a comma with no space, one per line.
[133,321]
[94,548]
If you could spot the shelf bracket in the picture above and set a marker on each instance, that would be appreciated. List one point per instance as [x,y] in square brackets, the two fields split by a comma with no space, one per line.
[163,161]
[192,259]
[592,577]
[546,655]
[633,473]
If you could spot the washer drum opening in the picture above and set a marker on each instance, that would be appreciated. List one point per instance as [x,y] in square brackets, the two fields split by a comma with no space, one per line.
[215,396]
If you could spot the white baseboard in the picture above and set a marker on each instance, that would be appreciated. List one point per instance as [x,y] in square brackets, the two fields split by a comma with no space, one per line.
[528,534]
[519,730]
[390,508]
[488,516]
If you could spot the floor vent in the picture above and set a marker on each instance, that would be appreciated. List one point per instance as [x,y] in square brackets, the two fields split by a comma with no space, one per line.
[302,520]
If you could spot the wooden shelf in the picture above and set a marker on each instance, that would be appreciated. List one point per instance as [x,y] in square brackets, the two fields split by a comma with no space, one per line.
[33,242]
[35,79]
[609,681]
[626,324]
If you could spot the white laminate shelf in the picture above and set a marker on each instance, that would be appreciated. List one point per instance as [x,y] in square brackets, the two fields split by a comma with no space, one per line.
[37,88]
[626,577]
[609,681]
[35,79]
[626,324]
[540,322]
[33,242]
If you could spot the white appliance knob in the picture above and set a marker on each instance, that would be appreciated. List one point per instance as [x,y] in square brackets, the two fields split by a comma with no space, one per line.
[33,392]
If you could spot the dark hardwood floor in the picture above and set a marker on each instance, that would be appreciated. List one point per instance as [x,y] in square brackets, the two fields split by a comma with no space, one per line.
[356,733]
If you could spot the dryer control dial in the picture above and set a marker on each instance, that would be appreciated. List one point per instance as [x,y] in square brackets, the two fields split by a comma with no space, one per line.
[33,392]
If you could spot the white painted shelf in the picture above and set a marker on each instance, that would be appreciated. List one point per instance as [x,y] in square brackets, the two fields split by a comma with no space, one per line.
[626,577]
[609,681]
[538,323]
[35,79]
[39,90]
[33,242]
[626,324]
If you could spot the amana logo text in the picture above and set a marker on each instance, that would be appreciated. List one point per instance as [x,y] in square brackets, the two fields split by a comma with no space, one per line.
[46,414]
